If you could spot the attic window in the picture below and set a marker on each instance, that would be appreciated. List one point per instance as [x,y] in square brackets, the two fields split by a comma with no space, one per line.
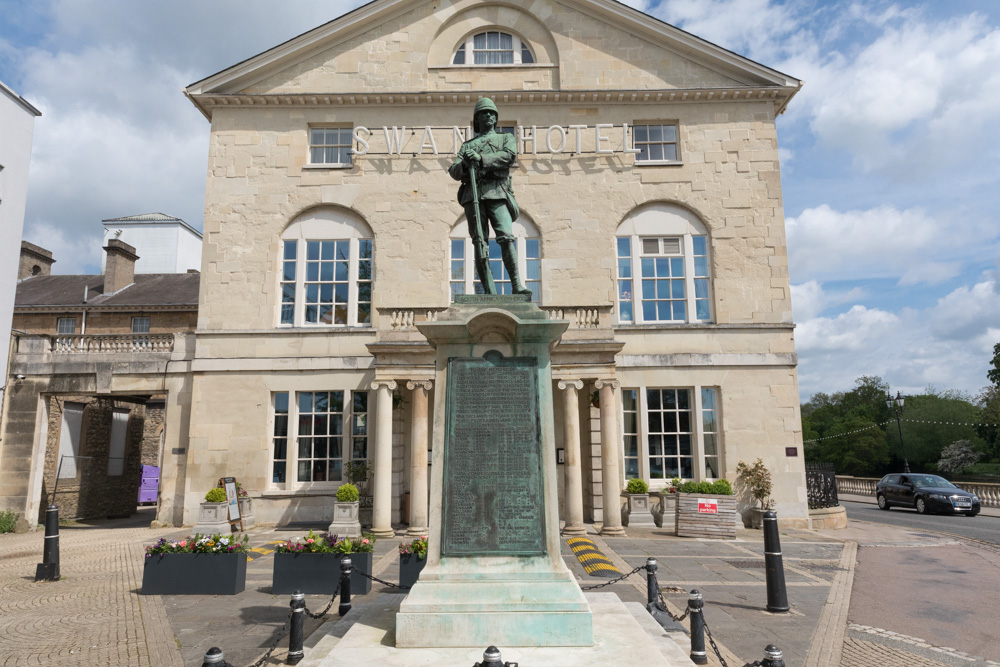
[493,48]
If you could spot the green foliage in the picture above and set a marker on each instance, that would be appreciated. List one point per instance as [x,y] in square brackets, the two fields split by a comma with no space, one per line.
[417,546]
[215,495]
[358,473]
[359,545]
[311,543]
[348,493]
[756,479]
[8,520]
[636,486]
[957,456]
[722,487]
[199,544]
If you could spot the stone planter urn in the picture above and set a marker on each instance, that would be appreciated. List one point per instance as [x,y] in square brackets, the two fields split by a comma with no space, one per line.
[213,518]
[346,521]
[639,511]
[756,516]
[246,512]
[664,515]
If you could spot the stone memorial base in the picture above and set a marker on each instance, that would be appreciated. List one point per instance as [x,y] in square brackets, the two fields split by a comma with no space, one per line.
[624,633]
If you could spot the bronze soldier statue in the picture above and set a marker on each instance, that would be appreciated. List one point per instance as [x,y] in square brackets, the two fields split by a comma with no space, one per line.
[483,166]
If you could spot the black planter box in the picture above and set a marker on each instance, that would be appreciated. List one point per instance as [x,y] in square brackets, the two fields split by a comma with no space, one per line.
[409,569]
[194,574]
[313,574]
[360,585]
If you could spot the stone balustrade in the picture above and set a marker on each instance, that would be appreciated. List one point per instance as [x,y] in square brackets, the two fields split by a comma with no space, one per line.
[579,318]
[112,343]
[989,494]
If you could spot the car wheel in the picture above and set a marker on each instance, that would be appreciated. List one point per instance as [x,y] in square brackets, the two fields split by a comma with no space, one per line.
[970,514]
[921,506]
[883,504]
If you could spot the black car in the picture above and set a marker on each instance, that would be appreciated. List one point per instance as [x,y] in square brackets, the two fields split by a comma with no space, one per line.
[926,493]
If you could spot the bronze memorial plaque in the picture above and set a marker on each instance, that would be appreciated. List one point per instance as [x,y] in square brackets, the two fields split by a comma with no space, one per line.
[492,459]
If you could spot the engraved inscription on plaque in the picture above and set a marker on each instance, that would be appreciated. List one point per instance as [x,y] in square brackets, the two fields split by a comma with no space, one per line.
[492,470]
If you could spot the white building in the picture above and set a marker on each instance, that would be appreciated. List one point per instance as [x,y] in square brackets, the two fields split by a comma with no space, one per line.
[165,244]
[17,123]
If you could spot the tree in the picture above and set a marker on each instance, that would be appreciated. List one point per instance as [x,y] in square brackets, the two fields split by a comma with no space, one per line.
[957,456]
[988,426]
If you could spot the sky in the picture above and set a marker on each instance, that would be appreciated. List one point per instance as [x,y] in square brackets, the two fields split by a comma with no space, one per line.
[889,164]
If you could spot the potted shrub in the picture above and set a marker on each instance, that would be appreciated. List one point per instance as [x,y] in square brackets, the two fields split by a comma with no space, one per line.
[412,557]
[664,515]
[213,515]
[639,513]
[359,474]
[705,509]
[308,564]
[756,482]
[360,551]
[345,512]
[198,565]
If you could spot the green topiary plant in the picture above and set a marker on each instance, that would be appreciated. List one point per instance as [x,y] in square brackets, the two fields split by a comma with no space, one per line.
[719,488]
[8,520]
[722,487]
[636,486]
[348,493]
[216,495]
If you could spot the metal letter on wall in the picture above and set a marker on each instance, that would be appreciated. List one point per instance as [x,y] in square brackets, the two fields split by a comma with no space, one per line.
[492,502]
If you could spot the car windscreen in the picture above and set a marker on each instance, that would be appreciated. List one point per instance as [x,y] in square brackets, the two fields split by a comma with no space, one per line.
[930,481]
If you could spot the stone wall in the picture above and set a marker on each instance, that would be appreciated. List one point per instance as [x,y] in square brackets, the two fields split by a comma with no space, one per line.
[106,322]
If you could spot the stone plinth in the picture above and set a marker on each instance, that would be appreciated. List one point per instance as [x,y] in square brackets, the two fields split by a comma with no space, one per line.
[494,572]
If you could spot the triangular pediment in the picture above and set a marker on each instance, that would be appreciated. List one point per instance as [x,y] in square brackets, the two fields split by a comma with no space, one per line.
[406,47]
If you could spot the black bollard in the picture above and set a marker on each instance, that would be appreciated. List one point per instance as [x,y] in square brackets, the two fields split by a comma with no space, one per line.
[215,658]
[652,586]
[773,657]
[695,606]
[491,658]
[777,598]
[298,605]
[345,585]
[48,569]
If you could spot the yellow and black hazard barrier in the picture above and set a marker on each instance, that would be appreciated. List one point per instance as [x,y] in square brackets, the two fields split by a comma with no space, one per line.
[594,562]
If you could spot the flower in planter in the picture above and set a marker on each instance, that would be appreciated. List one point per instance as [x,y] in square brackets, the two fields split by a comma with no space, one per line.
[311,544]
[418,547]
[199,544]
[359,545]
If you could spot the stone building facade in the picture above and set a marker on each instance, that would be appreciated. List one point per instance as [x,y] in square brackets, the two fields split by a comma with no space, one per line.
[651,219]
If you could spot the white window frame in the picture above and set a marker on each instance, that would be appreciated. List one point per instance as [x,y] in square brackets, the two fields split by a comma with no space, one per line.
[517,43]
[638,144]
[59,326]
[467,264]
[140,321]
[291,438]
[349,130]
[662,221]
[332,225]
[698,432]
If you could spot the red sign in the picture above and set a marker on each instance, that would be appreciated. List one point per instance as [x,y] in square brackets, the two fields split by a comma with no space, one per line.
[708,506]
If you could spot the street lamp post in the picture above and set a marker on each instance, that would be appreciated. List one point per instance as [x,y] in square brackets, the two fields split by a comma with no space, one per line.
[896,405]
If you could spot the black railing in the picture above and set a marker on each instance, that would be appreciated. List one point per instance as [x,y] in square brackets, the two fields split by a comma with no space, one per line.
[821,485]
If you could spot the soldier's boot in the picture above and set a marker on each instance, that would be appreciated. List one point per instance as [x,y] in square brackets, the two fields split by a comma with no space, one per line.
[510,262]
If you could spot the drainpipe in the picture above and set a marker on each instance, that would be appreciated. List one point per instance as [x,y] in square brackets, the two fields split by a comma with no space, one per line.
[83,324]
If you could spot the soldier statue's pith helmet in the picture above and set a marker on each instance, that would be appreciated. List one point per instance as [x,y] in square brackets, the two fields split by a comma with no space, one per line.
[485,104]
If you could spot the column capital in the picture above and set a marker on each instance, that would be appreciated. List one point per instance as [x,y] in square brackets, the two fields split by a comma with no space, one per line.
[566,384]
[378,384]
[611,382]
[425,384]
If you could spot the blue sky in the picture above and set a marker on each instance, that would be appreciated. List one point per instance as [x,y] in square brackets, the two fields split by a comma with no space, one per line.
[889,161]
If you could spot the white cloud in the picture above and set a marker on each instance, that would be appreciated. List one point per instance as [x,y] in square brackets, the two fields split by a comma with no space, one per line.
[882,242]
[810,298]
[74,253]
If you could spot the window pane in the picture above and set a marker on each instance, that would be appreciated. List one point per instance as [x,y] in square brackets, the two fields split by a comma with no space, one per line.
[683,400]
[526,56]
[670,151]
[459,58]
[624,247]
[626,312]
[653,399]
[641,133]
[479,41]
[655,151]
[669,132]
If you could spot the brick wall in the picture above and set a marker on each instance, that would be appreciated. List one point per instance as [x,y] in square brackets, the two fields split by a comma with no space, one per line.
[107,323]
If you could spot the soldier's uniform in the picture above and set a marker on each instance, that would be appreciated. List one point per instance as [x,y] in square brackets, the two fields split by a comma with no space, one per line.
[497,205]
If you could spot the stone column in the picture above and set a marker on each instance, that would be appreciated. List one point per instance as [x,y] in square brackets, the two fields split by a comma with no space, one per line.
[418,458]
[609,459]
[571,441]
[382,495]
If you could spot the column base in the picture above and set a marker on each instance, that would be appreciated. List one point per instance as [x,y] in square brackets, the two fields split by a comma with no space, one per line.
[612,531]
[417,531]
[575,530]
[383,532]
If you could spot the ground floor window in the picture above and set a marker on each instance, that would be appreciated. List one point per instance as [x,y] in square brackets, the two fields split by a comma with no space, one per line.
[664,439]
[315,434]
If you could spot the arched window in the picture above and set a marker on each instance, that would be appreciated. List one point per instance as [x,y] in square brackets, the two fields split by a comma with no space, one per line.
[461,257]
[326,270]
[493,47]
[664,267]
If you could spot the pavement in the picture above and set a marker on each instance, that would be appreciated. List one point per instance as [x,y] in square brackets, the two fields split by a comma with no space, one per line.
[95,615]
